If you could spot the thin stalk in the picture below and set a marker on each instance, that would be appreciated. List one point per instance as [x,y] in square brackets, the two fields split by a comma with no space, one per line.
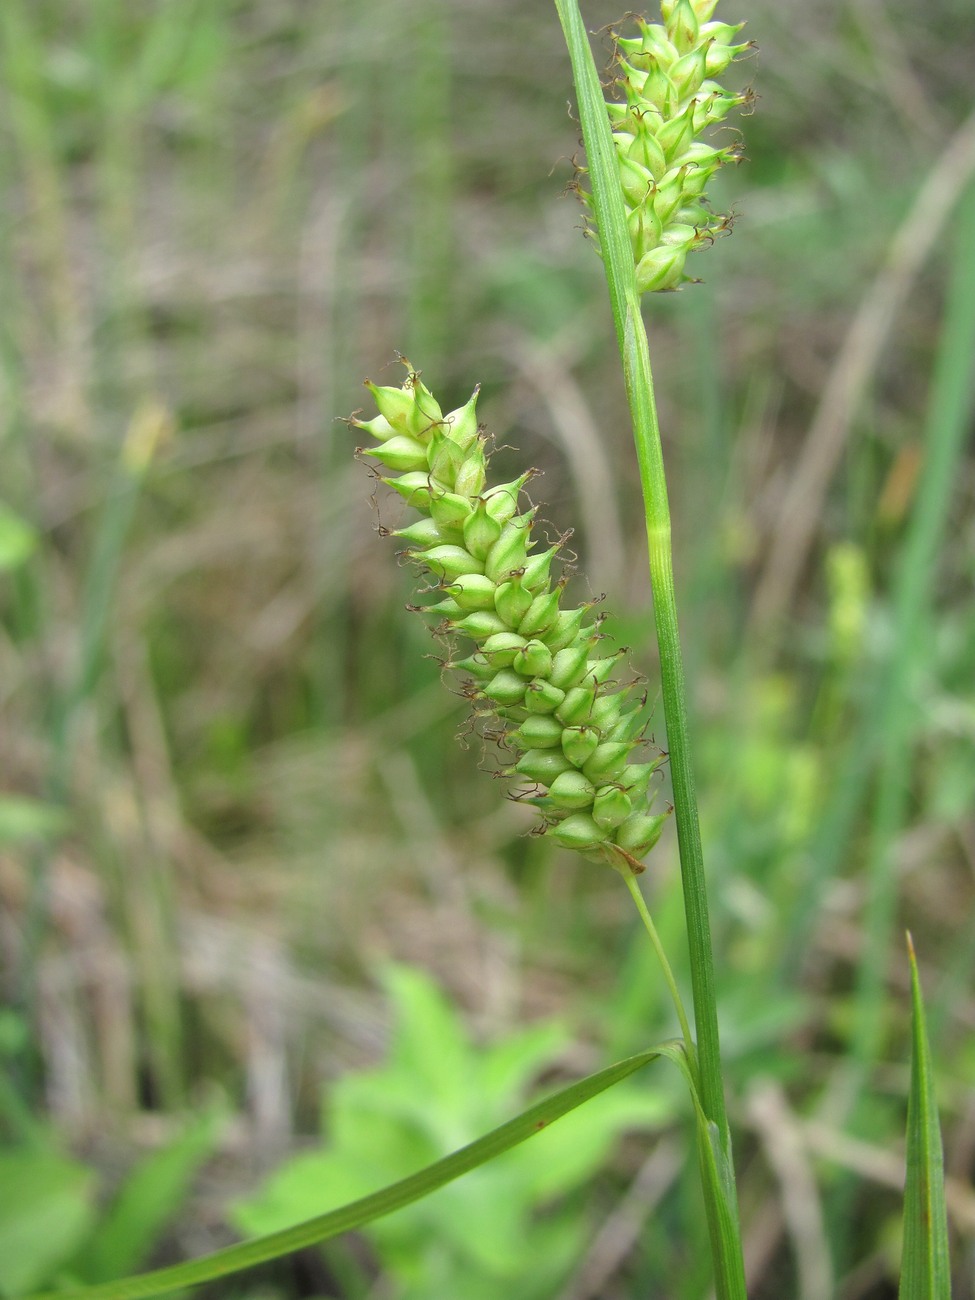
[651,929]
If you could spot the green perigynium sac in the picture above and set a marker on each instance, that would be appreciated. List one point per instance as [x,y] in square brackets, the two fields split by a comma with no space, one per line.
[669,98]
[537,678]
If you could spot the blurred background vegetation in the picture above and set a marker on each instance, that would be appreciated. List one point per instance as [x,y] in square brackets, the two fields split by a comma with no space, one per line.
[269,937]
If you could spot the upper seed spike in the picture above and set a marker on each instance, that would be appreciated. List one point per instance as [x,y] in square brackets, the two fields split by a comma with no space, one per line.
[662,76]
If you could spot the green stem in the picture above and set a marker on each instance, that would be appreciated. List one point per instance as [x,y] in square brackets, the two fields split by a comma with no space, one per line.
[646,431]
[671,983]
[631,335]
[614,242]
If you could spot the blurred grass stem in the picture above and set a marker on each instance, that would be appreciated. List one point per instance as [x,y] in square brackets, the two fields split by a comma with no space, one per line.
[948,421]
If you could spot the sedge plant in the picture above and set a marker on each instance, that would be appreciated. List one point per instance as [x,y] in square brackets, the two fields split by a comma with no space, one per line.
[540,683]
[566,712]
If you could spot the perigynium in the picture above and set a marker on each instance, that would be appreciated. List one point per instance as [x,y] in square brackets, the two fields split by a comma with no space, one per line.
[541,688]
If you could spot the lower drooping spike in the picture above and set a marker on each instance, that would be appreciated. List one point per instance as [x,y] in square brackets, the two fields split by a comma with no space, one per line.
[536,678]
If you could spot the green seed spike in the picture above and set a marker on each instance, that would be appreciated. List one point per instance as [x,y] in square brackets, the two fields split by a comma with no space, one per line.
[639,834]
[605,711]
[667,98]
[448,608]
[379,428]
[629,726]
[476,665]
[396,406]
[444,458]
[635,776]
[472,474]
[537,685]
[599,670]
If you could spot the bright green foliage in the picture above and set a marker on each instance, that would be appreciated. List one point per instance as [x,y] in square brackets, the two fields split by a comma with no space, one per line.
[665,76]
[51,1228]
[537,678]
[151,1195]
[925,1266]
[47,1205]
[483,1237]
[17,539]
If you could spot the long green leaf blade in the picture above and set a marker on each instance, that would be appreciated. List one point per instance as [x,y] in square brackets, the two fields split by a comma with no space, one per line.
[233,1259]
[718,1186]
[925,1266]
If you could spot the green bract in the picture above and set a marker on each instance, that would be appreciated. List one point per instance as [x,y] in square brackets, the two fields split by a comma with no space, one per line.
[554,703]
[665,76]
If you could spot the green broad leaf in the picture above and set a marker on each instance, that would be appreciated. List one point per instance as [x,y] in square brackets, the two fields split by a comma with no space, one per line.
[233,1259]
[925,1265]
[17,539]
[147,1201]
[46,1209]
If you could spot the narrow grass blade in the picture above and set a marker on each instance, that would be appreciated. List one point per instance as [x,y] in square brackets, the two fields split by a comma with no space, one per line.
[925,1268]
[149,1198]
[718,1184]
[234,1259]
[948,425]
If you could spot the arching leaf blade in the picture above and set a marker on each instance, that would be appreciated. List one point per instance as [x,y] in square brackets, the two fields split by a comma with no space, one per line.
[233,1259]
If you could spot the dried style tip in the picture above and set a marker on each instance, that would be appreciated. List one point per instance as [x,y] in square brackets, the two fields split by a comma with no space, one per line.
[535,675]
[667,98]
